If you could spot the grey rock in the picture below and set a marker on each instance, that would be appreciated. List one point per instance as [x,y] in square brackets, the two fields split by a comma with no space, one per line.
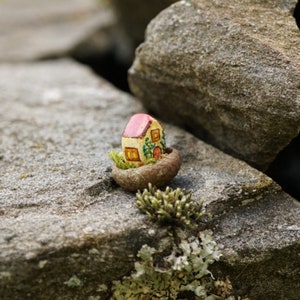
[261,242]
[37,29]
[61,215]
[227,71]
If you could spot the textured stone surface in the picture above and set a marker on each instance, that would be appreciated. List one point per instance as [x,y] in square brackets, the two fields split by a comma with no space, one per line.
[35,29]
[61,215]
[226,70]
[261,248]
[58,123]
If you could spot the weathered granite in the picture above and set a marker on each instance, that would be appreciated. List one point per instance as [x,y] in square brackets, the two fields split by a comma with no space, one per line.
[249,235]
[228,71]
[61,214]
[35,29]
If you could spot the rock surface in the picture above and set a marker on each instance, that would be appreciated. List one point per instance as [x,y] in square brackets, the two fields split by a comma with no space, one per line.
[228,71]
[62,216]
[261,243]
[36,29]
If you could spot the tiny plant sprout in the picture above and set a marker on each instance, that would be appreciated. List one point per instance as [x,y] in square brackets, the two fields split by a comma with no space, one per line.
[144,157]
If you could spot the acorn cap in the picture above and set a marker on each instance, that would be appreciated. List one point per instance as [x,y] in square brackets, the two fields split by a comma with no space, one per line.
[158,173]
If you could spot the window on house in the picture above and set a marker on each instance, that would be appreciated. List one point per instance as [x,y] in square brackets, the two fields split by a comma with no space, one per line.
[155,135]
[132,154]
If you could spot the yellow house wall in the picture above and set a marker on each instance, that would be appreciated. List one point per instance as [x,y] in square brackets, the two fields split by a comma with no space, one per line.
[134,143]
[139,142]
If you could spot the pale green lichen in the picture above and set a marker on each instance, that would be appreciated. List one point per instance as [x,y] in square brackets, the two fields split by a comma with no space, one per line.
[74,281]
[170,206]
[183,274]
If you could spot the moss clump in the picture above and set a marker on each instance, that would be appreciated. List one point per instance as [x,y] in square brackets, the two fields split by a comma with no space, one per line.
[118,159]
[121,163]
[171,206]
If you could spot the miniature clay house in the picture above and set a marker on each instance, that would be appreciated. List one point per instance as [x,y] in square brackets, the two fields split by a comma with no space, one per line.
[143,139]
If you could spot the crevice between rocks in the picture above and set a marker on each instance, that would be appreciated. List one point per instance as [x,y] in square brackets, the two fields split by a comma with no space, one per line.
[109,67]
[296,14]
[285,169]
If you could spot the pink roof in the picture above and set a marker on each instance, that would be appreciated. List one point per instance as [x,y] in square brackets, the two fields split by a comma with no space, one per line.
[137,125]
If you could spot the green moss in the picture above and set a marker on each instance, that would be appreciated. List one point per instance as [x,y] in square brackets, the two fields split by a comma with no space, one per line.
[170,206]
[118,159]
[121,163]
